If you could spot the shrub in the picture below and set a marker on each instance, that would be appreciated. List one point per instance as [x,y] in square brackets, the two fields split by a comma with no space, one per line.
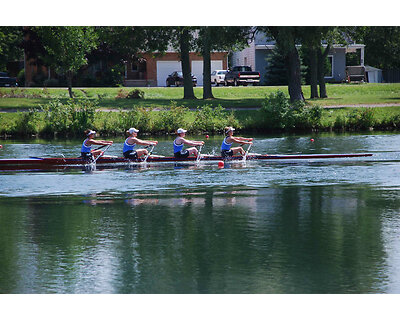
[73,117]
[27,123]
[168,120]
[275,111]
[361,119]
[51,83]
[208,119]
[340,122]
[133,94]
[21,78]
[278,113]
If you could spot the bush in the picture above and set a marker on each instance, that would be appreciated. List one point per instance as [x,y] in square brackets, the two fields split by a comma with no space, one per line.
[168,120]
[277,113]
[361,119]
[340,122]
[133,94]
[21,78]
[208,119]
[73,117]
[51,83]
[27,123]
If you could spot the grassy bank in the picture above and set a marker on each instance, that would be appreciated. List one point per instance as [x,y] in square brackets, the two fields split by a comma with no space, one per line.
[339,94]
[70,119]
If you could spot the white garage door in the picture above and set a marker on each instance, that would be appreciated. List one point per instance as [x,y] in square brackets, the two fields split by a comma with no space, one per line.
[197,69]
[164,69]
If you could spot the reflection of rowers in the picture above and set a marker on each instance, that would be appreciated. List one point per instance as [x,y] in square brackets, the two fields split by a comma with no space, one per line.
[180,141]
[86,151]
[130,143]
[226,147]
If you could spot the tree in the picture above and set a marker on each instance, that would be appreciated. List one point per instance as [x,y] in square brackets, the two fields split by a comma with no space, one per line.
[276,74]
[67,48]
[219,38]
[287,38]
[382,45]
[185,37]
[10,45]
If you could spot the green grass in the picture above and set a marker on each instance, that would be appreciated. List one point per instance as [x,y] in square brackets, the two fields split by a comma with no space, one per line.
[338,94]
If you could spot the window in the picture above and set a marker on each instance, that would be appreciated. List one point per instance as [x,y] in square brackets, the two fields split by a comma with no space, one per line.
[245,61]
[214,72]
[134,67]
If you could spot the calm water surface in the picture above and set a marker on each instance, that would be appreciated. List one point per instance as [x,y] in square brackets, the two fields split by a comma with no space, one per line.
[328,226]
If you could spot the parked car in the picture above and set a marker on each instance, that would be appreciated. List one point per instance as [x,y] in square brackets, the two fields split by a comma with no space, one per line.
[176,79]
[6,81]
[218,77]
[242,75]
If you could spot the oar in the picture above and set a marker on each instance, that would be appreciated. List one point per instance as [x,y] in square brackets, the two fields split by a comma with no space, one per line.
[198,155]
[94,161]
[247,152]
[149,153]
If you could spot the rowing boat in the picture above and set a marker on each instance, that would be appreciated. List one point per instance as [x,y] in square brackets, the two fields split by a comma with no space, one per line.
[38,163]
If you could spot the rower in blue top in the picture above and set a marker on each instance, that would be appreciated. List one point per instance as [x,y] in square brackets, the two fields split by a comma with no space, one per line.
[86,151]
[130,143]
[180,141]
[226,147]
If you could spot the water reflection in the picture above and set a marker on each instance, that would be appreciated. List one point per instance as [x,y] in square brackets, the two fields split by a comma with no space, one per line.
[271,240]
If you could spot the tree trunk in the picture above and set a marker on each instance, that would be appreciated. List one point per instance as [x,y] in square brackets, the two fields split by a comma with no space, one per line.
[294,74]
[313,65]
[321,71]
[206,52]
[69,79]
[188,92]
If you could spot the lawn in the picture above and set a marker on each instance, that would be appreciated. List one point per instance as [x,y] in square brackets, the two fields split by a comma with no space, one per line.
[250,97]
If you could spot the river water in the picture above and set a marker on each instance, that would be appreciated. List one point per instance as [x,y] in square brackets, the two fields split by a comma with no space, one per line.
[327,226]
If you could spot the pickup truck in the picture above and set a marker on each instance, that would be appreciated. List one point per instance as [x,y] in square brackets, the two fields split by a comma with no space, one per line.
[241,75]
[6,81]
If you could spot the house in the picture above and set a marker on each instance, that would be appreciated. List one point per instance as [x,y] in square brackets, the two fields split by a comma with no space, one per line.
[153,70]
[262,46]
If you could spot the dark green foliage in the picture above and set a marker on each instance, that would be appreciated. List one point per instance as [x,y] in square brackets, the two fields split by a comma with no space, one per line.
[276,74]
[27,123]
[133,94]
[170,119]
[212,120]
[361,119]
[277,113]
[71,118]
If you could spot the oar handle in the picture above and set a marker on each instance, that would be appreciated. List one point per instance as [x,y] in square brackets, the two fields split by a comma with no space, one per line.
[149,152]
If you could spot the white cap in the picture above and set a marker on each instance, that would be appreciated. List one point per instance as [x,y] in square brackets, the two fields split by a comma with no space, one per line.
[91,132]
[132,130]
[180,130]
[230,129]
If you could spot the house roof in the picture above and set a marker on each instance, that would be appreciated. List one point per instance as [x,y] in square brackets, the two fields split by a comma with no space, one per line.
[369,68]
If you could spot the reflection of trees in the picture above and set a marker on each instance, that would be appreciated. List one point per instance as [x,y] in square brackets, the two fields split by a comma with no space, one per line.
[273,240]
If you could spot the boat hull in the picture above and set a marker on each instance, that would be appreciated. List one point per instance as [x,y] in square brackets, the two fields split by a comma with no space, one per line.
[38,163]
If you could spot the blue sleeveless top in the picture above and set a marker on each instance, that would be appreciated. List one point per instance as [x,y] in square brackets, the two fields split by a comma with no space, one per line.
[85,148]
[177,147]
[225,145]
[128,147]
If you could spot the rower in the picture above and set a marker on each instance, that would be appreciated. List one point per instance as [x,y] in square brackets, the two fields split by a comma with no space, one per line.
[226,147]
[180,141]
[86,151]
[130,143]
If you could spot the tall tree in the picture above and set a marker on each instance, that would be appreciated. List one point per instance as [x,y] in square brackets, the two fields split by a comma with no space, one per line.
[10,45]
[223,39]
[382,45]
[287,38]
[182,40]
[185,36]
[67,48]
